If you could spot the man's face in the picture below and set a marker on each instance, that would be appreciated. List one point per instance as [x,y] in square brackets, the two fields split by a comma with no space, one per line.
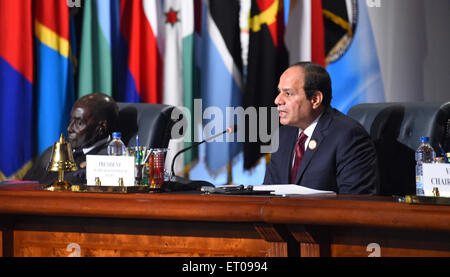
[82,126]
[294,108]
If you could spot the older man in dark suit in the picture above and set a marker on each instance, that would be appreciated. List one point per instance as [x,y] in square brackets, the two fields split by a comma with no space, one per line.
[92,120]
[320,147]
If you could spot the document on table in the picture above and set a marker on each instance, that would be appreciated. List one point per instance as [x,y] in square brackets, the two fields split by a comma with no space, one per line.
[291,189]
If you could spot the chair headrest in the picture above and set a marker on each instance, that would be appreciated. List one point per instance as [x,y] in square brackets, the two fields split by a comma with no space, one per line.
[405,121]
[152,122]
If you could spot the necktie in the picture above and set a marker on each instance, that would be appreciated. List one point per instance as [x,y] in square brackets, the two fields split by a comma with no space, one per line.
[299,152]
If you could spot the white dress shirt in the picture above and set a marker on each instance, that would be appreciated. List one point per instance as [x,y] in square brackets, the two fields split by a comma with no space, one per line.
[308,131]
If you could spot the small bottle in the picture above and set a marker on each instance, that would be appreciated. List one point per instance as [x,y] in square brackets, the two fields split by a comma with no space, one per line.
[116,147]
[424,154]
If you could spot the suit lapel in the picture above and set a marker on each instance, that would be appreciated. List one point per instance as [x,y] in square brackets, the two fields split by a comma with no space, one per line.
[317,136]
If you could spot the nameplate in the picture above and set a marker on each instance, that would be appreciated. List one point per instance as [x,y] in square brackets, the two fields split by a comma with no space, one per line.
[110,169]
[436,176]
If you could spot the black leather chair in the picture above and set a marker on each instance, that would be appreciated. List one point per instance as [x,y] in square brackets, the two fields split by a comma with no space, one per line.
[396,129]
[152,122]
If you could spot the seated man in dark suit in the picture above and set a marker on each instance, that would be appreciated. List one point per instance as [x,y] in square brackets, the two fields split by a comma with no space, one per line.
[92,120]
[320,147]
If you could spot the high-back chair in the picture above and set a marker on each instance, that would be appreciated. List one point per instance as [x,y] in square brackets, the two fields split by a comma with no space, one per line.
[396,129]
[152,122]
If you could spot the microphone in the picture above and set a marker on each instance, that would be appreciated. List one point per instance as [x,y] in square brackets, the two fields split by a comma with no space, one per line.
[228,130]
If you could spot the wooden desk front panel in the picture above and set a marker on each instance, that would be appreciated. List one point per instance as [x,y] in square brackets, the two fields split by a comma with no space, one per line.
[97,237]
[373,242]
[39,223]
[65,244]
[201,240]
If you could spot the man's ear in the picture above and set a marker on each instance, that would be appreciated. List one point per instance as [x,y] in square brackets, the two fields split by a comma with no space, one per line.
[316,99]
[102,128]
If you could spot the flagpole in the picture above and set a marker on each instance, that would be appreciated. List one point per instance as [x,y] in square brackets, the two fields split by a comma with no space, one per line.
[230,173]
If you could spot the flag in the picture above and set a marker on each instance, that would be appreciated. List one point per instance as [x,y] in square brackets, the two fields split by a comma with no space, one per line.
[337,34]
[305,34]
[298,31]
[221,77]
[267,59]
[54,72]
[98,39]
[356,76]
[178,70]
[16,88]
[141,46]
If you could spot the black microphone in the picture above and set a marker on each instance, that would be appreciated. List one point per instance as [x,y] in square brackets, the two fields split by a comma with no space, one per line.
[228,130]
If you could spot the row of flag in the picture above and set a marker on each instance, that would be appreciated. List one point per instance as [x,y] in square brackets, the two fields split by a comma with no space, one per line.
[152,51]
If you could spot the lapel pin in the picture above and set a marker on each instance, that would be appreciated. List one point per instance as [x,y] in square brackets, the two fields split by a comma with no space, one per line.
[312,144]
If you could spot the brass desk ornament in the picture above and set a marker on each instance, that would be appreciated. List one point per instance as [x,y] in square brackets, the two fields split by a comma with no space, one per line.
[61,160]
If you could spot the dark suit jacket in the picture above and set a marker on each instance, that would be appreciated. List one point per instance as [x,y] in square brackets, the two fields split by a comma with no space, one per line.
[39,169]
[344,160]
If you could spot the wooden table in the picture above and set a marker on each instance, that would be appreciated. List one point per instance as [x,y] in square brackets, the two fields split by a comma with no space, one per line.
[42,223]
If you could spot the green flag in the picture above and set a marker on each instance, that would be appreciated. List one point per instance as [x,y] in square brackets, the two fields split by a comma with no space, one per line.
[95,56]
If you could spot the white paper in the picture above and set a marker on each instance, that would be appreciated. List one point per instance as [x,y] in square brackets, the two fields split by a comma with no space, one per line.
[109,169]
[436,176]
[291,189]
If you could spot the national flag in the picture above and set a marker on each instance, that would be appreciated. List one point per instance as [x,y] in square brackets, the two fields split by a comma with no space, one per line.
[337,34]
[298,31]
[179,70]
[142,37]
[305,38]
[54,81]
[221,77]
[98,40]
[267,59]
[356,76]
[16,89]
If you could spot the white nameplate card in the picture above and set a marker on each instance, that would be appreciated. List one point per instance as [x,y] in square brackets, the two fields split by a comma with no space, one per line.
[110,169]
[436,176]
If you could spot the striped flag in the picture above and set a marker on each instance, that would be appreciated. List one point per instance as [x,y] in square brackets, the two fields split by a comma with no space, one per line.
[142,44]
[337,34]
[304,36]
[221,76]
[54,84]
[16,88]
[178,68]
[356,76]
[99,37]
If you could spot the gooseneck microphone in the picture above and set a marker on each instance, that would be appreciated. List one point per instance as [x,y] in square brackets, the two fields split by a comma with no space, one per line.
[228,130]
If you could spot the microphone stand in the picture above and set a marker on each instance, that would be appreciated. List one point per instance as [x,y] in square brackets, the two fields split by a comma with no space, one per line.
[192,146]
[189,184]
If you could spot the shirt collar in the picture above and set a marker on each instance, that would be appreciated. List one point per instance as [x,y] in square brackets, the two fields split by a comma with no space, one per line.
[310,129]
[95,145]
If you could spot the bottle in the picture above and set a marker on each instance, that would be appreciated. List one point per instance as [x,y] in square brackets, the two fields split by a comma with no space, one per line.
[116,147]
[424,154]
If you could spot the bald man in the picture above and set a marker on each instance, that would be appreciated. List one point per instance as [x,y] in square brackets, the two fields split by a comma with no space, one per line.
[92,120]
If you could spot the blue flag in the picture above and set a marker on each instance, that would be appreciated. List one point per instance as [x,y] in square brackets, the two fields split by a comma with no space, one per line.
[356,76]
